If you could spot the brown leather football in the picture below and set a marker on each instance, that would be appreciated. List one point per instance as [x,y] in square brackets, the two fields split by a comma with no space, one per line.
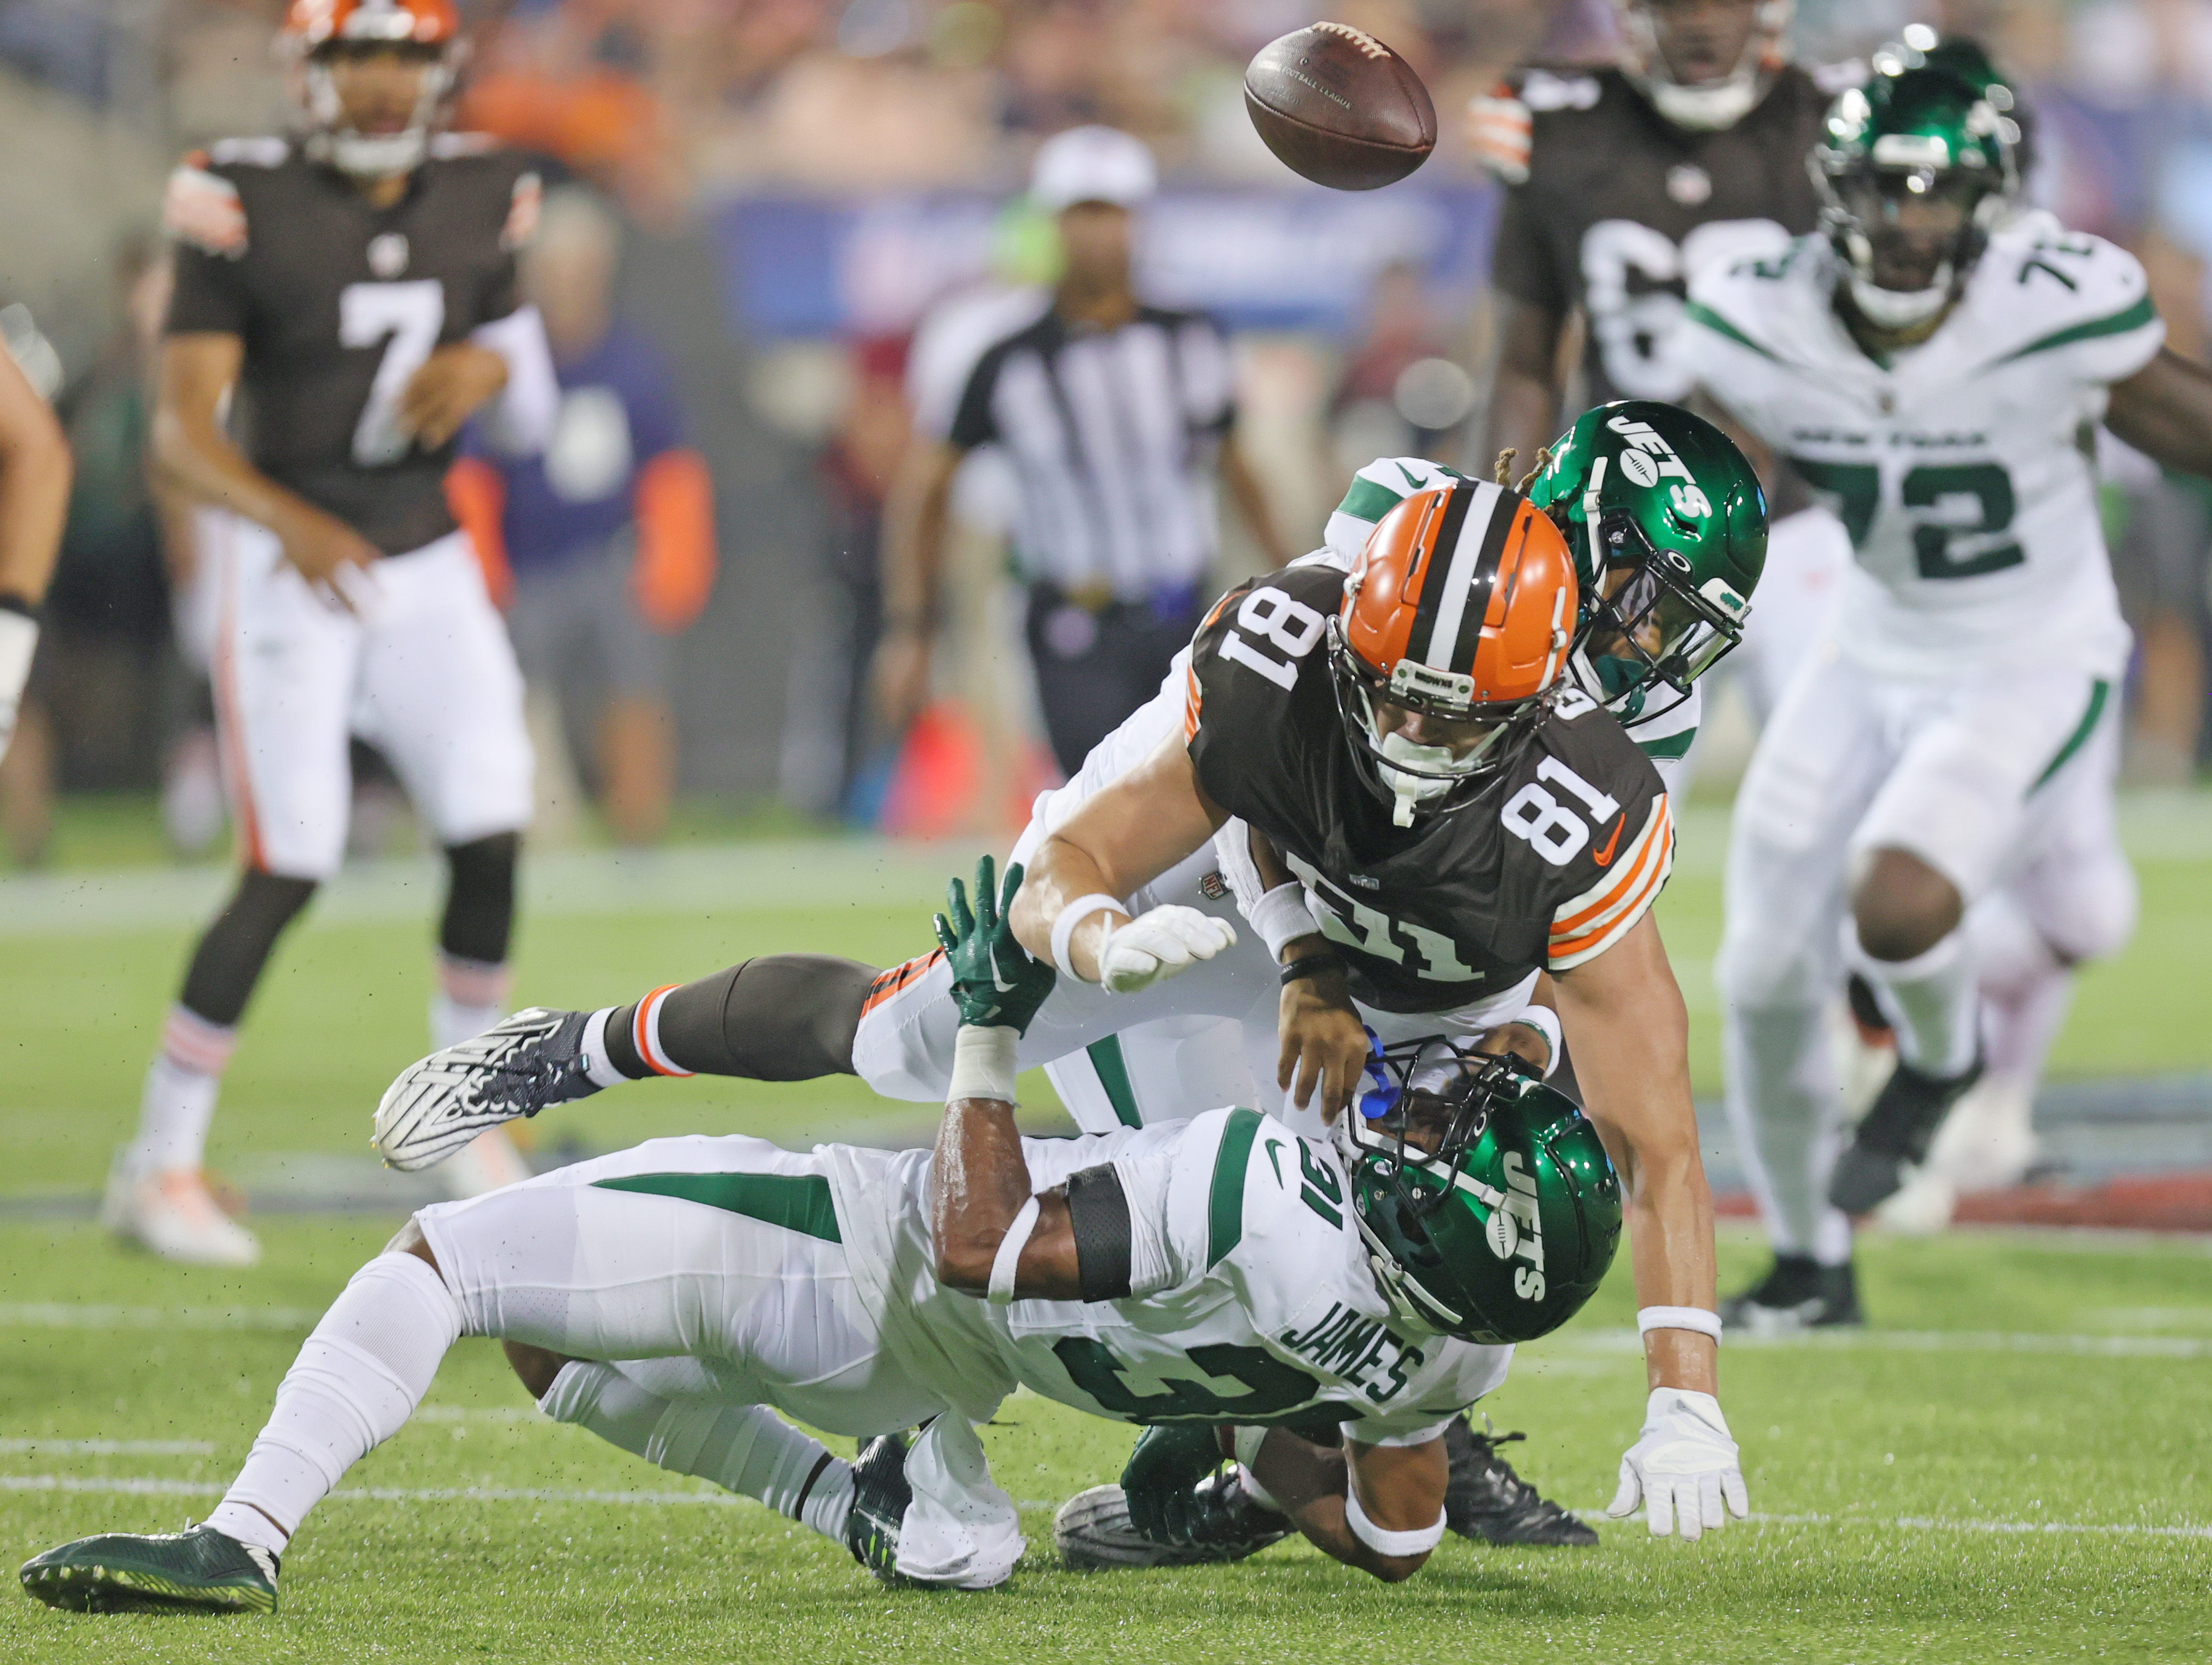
[1336,105]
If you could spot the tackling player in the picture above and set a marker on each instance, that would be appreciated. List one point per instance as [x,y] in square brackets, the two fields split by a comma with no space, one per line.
[1447,874]
[347,298]
[1220,1271]
[34,488]
[1928,366]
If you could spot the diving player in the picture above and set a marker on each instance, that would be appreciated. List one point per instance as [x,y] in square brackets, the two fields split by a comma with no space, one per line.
[1930,367]
[1221,1271]
[348,297]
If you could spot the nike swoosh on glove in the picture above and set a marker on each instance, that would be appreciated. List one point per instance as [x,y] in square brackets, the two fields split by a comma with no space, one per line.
[1685,1469]
[1158,944]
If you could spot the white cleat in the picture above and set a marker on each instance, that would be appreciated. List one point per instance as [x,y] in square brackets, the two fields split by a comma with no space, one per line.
[489,1162]
[441,1103]
[172,1212]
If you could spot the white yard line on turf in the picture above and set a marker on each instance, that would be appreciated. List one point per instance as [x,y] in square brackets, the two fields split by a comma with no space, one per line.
[1880,1340]
[116,1447]
[71,1316]
[138,1485]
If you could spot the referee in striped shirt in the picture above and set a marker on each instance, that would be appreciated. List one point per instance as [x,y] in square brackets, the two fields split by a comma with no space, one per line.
[1117,415]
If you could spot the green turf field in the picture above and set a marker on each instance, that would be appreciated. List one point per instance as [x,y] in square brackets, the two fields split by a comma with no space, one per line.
[2011,1466]
[1995,1473]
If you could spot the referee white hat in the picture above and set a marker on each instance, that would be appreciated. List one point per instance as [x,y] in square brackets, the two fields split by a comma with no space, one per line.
[1092,165]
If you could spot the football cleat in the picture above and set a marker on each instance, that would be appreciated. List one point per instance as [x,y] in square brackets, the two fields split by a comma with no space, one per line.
[197,1569]
[1797,1293]
[443,1102]
[1486,1501]
[1895,1134]
[172,1212]
[880,1497]
[1094,1531]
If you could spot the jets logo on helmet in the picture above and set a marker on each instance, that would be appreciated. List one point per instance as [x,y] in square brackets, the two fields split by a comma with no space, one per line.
[1484,1199]
[318,32]
[1459,608]
[1932,124]
[1668,527]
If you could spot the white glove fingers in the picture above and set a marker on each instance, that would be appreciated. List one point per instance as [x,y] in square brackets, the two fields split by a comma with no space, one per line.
[1630,1493]
[1687,1520]
[1736,1494]
[1709,1503]
[1659,1509]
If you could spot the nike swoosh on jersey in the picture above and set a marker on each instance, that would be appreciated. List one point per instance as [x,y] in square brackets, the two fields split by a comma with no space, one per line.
[1604,857]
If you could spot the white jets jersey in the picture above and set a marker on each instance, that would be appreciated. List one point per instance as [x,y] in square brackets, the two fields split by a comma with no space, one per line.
[1960,468]
[1251,1298]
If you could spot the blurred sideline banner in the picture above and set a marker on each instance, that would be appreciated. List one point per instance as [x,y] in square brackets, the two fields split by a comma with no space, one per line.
[795,266]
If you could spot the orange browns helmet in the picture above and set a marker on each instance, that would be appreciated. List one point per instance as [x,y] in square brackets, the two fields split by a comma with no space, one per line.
[315,30]
[1461,607]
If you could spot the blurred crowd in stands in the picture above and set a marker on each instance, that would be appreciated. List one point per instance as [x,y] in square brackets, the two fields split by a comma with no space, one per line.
[702,128]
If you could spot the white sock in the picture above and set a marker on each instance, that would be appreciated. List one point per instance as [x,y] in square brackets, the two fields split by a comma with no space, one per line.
[1785,1107]
[1930,1001]
[178,1103]
[2026,990]
[471,997]
[358,1378]
[744,1449]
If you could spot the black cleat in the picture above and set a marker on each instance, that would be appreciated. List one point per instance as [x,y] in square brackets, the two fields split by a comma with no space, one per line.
[1094,1531]
[1486,1501]
[880,1497]
[515,1068]
[1894,1133]
[1797,1293]
[198,1570]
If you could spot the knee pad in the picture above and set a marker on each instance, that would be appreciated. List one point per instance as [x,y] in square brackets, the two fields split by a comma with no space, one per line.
[479,916]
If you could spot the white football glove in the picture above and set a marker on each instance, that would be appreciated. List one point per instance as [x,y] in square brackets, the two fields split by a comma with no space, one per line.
[1158,944]
[1683,1469]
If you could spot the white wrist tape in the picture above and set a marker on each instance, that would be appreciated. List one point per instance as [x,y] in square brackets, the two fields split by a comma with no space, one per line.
[1545,1022]
[984,1064]
[599,1067]
[644,1033]
[1072,916]
[1389,1543]
[1010,1254]
[19,640]
[1281,917]
[1248,1441]
[1678,1318]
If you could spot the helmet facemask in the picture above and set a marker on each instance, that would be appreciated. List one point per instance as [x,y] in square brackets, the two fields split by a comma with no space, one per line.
[1417,779]
[1649,633]
[1704,106]
[376,155]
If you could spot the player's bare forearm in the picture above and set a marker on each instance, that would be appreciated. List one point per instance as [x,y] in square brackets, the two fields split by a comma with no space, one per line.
[190,447]
[1121,840]
[35,485]
[1628,1031]
[1524,399]
[979,1182]
[452,383]
[2164,411]
[1251,501]
[1401,1489]
[917,515]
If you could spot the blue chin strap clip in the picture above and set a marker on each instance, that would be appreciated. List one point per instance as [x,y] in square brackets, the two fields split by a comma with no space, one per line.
[1379,1092]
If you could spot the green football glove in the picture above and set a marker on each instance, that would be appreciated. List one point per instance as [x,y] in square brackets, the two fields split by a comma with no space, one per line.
[1162,1475]
[995,983]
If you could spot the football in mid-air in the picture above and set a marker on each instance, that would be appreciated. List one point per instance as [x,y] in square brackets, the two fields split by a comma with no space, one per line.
[1338,106]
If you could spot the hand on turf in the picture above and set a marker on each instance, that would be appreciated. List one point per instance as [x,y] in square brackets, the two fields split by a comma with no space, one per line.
[1158,944]
[996,983]
[1684,1470]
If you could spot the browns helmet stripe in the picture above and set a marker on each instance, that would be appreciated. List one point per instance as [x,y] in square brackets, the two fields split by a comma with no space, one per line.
[1448,623]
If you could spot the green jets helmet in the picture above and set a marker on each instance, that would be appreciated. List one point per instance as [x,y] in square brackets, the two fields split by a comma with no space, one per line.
[1489,1210]
[1934,121]
[1667,525]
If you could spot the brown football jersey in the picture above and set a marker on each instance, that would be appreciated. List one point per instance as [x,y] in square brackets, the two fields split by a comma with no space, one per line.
[338,302]
[1556,858]
[1621,205]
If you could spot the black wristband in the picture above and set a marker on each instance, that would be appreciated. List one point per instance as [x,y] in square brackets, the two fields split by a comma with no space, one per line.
[1311,965]
[1098,1215]
[12,602]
